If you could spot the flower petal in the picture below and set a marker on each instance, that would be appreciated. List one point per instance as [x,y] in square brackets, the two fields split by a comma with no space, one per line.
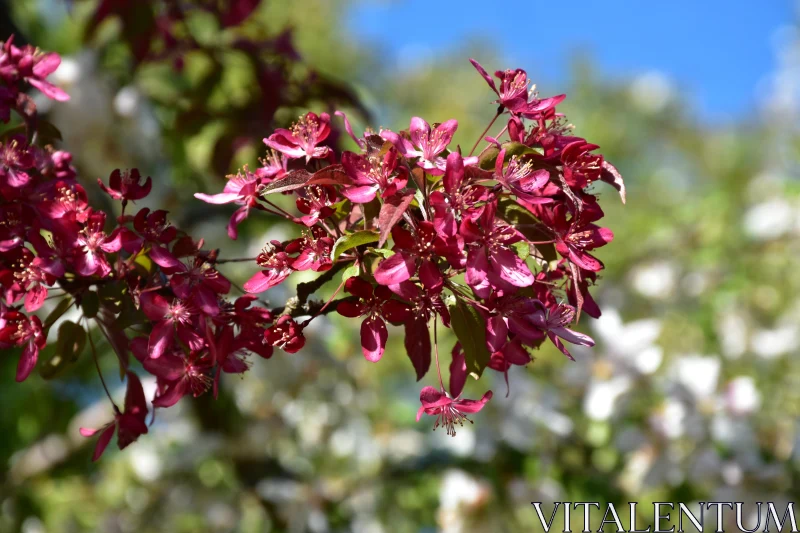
[373,338]
[396,269]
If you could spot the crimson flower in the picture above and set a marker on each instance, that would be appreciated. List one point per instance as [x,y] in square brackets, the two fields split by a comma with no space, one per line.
[156,230]
[521,178]
[251,322]
[16,159]
[491,262]
[29,276]
[29,64]
[456,199]
[126,185]
[426,144]
[276,267]
[418,252]
[314,251]
[513,92]
[286,334]
[581,167]
[65,202]
[228,355]
[200,285]
[169,318]
[129,424]
[92,244]
[376,304]
[373,174]
[303,138]
[576,236]
[450,409]
[178,374]
[554,322]
[315,203]
[17,330]
[242,190]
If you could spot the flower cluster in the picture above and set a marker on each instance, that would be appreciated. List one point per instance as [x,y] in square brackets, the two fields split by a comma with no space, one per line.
[496,246]
[493,246]
[25,65]
[149,288]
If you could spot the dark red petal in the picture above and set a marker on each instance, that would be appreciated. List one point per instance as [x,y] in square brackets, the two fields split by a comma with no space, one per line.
[396,269]
[102,442]
[373,338]
[358,287]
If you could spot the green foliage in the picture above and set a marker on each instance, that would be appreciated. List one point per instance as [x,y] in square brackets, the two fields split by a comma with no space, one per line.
[470,329]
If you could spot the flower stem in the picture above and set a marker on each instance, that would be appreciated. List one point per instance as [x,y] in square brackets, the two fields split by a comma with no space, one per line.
[480,137]
[436,352]
[97,365]
[237,260]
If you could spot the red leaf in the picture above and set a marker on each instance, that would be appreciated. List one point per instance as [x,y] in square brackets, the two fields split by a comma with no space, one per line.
[392,212]
[332,175]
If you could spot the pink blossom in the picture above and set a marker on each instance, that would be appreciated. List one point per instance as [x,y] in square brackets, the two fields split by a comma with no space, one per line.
[303,138]
[449,408]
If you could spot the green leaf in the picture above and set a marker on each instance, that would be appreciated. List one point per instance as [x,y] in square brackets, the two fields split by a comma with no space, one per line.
[69,345]
[347,242]
[129,315]
[383,252]
[522,249]
[90,304]
[470,328]
[528,225]
[515,148]
[144,263]
[60,309]
[488,157]
[350,272]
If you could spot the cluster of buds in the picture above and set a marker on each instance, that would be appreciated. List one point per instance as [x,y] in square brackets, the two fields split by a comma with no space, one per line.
[497,246]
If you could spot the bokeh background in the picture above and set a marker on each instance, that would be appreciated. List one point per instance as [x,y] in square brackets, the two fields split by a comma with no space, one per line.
[692,393]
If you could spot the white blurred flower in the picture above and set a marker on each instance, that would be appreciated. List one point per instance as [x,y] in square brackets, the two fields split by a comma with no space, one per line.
[668,420]
[626,339]
[145,462]
[598,403]
[462,446]
[771,343]
[698,374]
[651,92]
[648,360]
[459,494]
[769,220]
[127,101]
[732,333]
[741,396]
[655,280]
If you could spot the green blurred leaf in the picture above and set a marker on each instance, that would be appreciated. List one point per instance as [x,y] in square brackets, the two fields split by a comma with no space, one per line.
[90,304]
[144,263]
[528,225]
[470,328]
[69,345]
[56,313]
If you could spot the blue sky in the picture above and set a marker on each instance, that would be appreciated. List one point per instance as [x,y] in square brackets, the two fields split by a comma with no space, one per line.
[716,51]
